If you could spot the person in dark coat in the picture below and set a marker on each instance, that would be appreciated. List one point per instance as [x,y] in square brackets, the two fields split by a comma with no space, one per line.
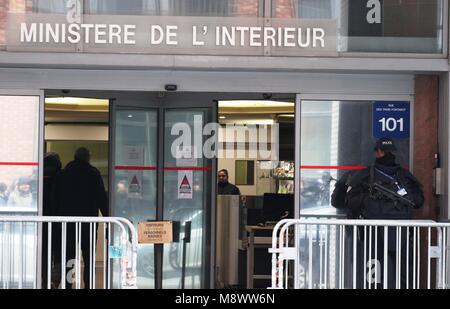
[340,191]
[79,191]
[52,166]
[224,187]
[387,173]
[369,203]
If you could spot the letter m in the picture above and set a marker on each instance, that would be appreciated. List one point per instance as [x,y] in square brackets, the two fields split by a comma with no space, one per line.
[26,35]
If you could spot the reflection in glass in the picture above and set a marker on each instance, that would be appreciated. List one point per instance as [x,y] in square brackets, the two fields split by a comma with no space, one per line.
[414,26]
[251,8]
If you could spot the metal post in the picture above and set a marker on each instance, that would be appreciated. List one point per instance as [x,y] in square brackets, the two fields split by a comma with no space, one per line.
[186,240]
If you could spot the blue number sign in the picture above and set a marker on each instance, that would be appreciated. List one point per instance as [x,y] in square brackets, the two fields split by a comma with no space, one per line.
[391,119]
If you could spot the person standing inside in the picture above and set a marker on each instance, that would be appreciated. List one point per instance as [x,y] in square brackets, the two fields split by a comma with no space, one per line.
[386,191]
[224,187]
[79,191]
[52,166]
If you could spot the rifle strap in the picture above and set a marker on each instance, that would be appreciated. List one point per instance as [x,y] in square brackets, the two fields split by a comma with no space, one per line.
[371,180]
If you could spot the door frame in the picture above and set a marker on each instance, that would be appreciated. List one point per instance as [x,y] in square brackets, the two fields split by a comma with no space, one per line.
[342,97]
[167,100]
[161,102]
[140,99]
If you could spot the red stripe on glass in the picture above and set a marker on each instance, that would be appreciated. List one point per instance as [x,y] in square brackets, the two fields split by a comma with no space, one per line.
[346,168]
[135,168]
[19,163]
[207,168]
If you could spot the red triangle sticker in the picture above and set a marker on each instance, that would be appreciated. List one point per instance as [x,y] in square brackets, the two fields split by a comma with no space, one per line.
[134,181]
[185,183]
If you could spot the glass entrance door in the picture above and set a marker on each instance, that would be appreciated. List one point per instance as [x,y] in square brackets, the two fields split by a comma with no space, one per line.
[152,178]
[187,197]
[134,176]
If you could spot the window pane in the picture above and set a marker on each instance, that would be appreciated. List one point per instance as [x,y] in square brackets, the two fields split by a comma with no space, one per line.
[303,9]
[19,160]
[402,26]
[173,7]
[19,126]
[336,137]
[249,8]
[410,26]
[49,6]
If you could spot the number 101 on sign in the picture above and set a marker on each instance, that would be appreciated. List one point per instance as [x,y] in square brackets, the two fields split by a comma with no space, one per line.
[391,124]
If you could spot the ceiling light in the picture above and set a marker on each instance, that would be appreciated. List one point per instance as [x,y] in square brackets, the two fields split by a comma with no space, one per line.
[287,115]
[222,117]
[76,101]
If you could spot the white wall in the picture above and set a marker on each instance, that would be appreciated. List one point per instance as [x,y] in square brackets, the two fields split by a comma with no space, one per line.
[230,163]
[80,132]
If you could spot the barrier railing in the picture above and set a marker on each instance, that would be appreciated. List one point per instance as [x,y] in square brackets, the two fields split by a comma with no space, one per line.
[360,254]
[47,252]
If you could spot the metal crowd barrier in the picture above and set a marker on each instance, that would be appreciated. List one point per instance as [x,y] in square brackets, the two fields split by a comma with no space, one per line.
[46,252]
[360,254]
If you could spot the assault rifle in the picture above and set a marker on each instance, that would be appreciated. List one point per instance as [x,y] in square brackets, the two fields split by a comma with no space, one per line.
[393,196]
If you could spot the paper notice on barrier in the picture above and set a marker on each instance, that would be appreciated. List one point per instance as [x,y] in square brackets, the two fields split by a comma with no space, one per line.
[185,183]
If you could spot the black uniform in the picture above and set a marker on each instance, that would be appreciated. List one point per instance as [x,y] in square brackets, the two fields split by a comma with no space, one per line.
[79,191]
[365,202]
[371,205]
[340,191]
[227,189]
[52,166]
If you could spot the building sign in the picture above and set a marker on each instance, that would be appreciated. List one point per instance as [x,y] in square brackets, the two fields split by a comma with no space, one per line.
[155,232]
[171,35]
[391,119]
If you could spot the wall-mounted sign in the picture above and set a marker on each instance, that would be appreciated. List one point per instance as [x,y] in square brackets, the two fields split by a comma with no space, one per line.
[391,120]
[161,232]
[172,35]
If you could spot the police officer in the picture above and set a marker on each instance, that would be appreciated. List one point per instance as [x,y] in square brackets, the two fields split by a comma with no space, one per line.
[363,199]
[385,191]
